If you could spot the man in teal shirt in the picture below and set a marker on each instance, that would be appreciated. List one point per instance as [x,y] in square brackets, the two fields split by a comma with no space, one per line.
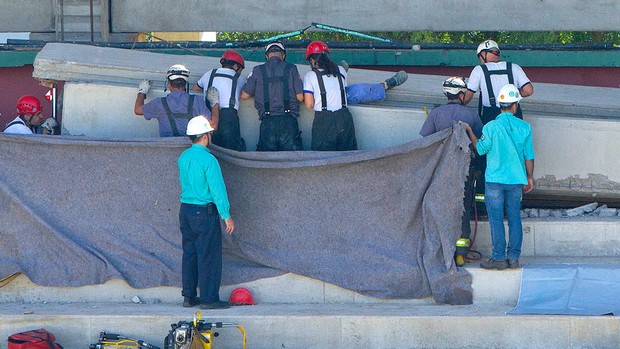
[507,142]
[203,201]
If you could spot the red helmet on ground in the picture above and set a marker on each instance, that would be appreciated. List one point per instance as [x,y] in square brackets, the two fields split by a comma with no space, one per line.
[316,47]
[232,55]
[28,105]
[241,296]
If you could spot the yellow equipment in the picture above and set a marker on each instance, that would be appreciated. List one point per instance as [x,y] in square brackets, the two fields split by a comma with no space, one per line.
[116,341]
[197,334]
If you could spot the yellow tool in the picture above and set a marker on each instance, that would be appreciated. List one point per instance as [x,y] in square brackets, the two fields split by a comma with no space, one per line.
[197,334]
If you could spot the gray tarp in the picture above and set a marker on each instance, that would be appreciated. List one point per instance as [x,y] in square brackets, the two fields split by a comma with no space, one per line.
[78,211]
[569,289]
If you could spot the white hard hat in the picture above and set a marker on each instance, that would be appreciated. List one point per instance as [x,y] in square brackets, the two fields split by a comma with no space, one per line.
[178,71]
[274,46]
[487,45]
[454,85]
[198,125]
[509,94]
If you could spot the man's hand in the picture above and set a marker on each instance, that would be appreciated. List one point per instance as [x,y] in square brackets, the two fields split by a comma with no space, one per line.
[213,96]
[49,125]
[530,185]
[230,225]
[144,87]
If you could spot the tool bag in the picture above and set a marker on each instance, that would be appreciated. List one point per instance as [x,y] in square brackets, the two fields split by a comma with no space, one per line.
[35,339]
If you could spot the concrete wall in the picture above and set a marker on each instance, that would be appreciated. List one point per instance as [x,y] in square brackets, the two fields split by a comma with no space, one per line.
[362,15]
[365,15]
[26,16]
[108,112]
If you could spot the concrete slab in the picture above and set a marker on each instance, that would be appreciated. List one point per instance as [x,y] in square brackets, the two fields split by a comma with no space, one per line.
[325,326]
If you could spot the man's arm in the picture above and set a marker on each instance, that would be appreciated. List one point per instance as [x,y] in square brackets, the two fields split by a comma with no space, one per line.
[470,133]
[197,88]
[527,90]
[143,89]
[300,98]
[137,109]
[469,95]
[245,96]
[529,169]
[308,100]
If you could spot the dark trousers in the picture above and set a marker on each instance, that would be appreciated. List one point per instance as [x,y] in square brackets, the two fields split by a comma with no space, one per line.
[279,133]
[333,130]
[228,134]
[202,251]
[468,201]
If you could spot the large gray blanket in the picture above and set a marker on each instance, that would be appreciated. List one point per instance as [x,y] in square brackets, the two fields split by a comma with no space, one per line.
[78,211]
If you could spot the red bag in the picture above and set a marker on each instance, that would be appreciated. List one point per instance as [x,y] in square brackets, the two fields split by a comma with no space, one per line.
[35,339]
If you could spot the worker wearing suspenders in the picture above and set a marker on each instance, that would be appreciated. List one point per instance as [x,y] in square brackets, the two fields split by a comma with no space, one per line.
[324,91]
[277,90]
[228,81]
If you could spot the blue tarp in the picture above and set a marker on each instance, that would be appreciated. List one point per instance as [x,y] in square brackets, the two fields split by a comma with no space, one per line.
[569,289]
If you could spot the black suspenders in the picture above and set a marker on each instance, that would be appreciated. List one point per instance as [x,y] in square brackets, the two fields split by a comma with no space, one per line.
[487,79]
[233,91]
[319,78]
[285,88]
[172,116]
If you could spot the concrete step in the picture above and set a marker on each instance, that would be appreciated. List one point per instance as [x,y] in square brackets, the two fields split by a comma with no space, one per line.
[564,237]
[323,325]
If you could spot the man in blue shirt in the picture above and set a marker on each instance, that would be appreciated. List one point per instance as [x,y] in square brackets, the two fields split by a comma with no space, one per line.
[203,201]
[444,117]
[174,111]
[507,141]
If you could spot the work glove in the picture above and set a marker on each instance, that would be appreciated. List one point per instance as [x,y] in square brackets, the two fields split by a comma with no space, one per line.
[51,125]
[213,95]
[144,87]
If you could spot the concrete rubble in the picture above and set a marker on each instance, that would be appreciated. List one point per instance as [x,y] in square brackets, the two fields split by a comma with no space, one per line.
[589,210]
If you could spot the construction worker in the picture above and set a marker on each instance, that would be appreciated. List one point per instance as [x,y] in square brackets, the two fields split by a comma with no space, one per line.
[175,110]
[490,76]
[371,93]
[507,141]
[277,90]
[29,109]
[444,117]
[324,91]
[203,201]
[228,81]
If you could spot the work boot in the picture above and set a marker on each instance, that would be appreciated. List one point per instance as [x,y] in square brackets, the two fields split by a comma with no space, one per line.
[344,64]
[396,80]
[513,263]
[493,264]
[189,302]
[215,305]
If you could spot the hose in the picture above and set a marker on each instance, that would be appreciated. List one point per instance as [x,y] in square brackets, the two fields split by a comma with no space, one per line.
[7,279]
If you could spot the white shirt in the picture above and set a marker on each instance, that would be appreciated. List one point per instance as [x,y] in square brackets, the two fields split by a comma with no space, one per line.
[223,85]
[19,127]
[477,81]
[332,88]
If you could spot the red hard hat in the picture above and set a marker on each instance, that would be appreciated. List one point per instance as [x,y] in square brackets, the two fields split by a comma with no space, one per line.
[316,47]
[28,105]
[241,296]
[234,56]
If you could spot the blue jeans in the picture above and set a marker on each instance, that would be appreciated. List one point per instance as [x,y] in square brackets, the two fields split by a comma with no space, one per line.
[498,197]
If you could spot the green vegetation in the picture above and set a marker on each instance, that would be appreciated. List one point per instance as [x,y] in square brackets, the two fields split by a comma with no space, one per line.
[472,37]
